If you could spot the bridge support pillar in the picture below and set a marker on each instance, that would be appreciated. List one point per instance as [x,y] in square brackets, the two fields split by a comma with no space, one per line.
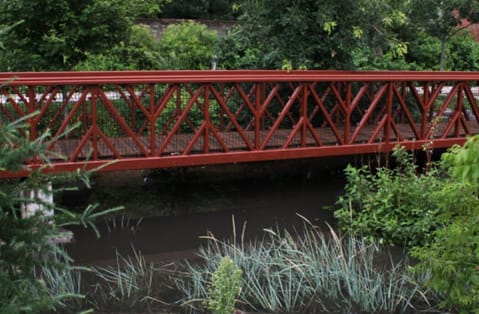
[40,202]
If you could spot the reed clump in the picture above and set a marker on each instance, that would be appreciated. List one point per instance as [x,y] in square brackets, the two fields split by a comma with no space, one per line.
[308,272]
[132,284]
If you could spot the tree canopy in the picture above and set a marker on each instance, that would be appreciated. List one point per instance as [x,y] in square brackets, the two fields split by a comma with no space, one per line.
[59,34]
[341,34]
[443,19]
[305,34]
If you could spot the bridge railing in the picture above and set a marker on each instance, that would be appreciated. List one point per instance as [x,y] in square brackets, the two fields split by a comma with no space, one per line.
[144,119]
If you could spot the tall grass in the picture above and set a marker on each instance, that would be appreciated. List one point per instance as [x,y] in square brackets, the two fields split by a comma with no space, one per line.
[65,283]
[122,223]
[132,284]
[129,284]
[307,272]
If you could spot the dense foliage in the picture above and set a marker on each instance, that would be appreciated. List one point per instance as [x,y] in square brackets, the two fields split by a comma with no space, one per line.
[140,52]
[306,33]
[395,206]
[442,20]
[310,34]
[452,256]
[187,45]
[56,34]
[60,34]
[411,35]
[435,214]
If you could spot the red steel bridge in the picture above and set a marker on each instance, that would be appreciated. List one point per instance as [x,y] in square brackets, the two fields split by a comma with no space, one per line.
[157,119]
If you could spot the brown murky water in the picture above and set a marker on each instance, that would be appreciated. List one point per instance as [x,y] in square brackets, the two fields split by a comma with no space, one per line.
[258,200]
[181,206]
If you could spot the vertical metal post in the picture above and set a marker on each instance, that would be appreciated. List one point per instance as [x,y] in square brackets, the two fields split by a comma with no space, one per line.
[348,107]
[207,122]
[257,123]
[389,106]
[178,111]
[304,115]
[459,110]
[214,62]
[85,118]
[31,109]
[426,109]
[152,110]
[221,109]
[94,126]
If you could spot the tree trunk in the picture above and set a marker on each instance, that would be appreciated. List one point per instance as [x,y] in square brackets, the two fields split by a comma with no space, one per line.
[443,55]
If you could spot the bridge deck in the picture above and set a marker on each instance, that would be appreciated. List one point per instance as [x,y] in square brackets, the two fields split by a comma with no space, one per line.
[233,141]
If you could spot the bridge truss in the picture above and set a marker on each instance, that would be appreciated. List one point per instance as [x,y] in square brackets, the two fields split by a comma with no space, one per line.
[156,119]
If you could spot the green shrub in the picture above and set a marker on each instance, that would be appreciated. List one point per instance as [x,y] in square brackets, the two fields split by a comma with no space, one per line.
[452,257]
[436,213]
[463,161]
[394,206]
[234,53]
[187,46]
[139,52]
[425,51]
[224,288]
[463,53]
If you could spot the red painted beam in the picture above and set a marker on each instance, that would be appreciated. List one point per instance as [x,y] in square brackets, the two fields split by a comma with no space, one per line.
[226,158]
[144,77]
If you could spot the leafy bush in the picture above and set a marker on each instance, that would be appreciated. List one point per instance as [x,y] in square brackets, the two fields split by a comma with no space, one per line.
[463,53]
[452,257]
[139,52]
[187,46]
[367,59]
[394,206]
[425,51]
[463,162]
[224,288]
[436,213]
[235,53]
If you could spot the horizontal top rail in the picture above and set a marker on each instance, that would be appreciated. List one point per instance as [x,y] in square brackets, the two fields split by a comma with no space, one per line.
[218,76]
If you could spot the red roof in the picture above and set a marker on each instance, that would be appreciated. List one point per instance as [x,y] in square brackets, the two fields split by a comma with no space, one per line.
[473,28]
